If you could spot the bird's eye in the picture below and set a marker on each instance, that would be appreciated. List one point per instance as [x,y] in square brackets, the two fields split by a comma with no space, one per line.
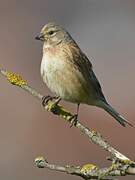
[51,32]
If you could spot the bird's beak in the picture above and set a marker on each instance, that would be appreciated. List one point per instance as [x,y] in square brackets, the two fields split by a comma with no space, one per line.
[40,37]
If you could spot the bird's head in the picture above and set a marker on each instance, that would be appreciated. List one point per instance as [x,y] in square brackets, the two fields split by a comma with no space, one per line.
[53,34]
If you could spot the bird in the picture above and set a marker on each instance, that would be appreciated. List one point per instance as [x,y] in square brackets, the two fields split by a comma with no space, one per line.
[68,72]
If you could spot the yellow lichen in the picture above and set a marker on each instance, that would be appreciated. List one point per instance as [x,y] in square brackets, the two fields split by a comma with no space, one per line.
[15,79]
[127,162]
[51,105]
[39,159]
[113,167]
[40,162]
[87,168]
[58,109]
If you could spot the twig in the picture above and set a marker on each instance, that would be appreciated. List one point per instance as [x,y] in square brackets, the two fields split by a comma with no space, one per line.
[88,171]
[94,136]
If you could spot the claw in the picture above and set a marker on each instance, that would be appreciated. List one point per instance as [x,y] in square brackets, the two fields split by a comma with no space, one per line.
[73,120]
[45,100]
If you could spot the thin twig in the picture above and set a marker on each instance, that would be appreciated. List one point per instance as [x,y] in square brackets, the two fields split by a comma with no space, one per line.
[88,171]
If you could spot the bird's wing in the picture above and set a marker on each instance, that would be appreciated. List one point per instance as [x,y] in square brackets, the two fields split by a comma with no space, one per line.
[85,66]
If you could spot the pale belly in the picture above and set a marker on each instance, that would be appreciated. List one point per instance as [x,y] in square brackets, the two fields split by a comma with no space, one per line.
[64,80]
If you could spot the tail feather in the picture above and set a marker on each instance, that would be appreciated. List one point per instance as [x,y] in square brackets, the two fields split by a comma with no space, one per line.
[114,114]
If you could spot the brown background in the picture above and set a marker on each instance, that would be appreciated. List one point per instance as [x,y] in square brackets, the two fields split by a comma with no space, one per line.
[105,30]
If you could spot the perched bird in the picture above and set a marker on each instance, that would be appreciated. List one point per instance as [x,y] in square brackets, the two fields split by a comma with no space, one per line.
[68,73]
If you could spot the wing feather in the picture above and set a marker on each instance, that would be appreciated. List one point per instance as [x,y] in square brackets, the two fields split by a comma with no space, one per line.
[85,66]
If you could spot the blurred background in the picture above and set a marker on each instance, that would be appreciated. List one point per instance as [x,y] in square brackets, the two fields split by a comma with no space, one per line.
[105,31]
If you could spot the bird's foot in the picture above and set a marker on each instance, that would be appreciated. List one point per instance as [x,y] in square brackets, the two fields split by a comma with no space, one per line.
[45,99]
[73,120]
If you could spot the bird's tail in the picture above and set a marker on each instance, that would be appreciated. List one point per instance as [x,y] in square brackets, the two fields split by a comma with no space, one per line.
[114,113]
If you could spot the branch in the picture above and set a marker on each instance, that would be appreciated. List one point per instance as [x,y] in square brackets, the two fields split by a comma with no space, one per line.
[117,157]
[88,171]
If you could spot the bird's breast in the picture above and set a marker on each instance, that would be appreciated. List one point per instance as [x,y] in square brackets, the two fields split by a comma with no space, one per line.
[52,71]
[63,78]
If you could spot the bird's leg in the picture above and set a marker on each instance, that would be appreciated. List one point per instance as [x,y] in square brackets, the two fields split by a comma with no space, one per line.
[45,99]
[74,118]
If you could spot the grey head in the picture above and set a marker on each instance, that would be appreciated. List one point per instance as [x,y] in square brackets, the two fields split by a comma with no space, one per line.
[53,34]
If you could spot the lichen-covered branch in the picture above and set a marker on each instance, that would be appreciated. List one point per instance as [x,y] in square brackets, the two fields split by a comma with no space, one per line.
[87,171]
[59,110]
